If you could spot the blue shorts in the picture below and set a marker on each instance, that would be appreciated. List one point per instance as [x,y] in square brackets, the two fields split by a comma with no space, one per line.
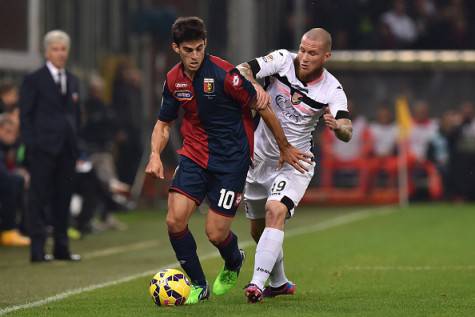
[223,190]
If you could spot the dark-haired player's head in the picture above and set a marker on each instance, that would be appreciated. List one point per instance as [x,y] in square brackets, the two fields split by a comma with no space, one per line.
[189,41]
[314,51]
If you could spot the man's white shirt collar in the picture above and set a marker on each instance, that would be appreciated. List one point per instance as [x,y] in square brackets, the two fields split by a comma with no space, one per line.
[54,72]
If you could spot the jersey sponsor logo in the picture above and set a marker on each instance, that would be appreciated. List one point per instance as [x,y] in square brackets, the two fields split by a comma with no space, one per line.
[260,269]
[296,98]
[268,58]
[236,81]
[181,85]
[208,85]
[287,110]
[183,95]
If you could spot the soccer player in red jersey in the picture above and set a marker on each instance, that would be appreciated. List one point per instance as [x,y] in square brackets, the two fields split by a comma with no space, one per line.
[217,129]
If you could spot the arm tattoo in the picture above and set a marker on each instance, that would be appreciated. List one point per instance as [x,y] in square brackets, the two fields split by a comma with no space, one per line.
[245,70]
[344,131]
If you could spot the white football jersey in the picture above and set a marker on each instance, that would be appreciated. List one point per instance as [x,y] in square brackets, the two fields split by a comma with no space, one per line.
[298,106]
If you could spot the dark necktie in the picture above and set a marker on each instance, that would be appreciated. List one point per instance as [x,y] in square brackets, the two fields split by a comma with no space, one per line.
[58,83]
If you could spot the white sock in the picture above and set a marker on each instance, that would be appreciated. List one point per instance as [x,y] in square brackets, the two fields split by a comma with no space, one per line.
[267,252]
[277,276]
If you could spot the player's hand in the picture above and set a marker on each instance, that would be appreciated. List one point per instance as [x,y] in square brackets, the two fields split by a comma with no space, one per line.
[330,120]
[155,166]
[263,98]
[295,157]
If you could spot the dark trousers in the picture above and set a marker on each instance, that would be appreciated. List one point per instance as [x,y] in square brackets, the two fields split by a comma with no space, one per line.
[11,188]
[51,186]
[88,186]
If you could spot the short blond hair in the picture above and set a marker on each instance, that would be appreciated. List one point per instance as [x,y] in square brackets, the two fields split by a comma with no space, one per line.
[55,36]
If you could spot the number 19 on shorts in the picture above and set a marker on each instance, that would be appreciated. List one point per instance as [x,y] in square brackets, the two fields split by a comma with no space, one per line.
[226,198]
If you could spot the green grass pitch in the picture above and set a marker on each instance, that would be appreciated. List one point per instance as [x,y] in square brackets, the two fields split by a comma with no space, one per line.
[417,261]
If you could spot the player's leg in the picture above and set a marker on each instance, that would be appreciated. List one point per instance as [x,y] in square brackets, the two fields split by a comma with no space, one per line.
[276,213]
[278,281]
[257,228]
[218,230]
[224,198]
[270,242]
[269,254]
[180,209]
[258,184]
[186,192]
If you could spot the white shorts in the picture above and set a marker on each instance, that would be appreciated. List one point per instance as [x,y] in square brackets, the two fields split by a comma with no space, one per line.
[265,182]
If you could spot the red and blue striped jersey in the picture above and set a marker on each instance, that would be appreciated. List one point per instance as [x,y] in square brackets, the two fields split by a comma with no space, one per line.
[217,125]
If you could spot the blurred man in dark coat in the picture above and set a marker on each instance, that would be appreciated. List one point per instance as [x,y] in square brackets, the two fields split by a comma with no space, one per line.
[50,117]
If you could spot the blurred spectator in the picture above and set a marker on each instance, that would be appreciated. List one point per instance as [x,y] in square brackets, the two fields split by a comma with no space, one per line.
[400,25]
[384,133]
[423,176]
[345,164]
[96,176]
[100,133]
[359,145]
[9,104]
[439,151]
[11,189]
[92,199]
[422,131]
[8,97]
[462,140]
[127,101]
[425,14]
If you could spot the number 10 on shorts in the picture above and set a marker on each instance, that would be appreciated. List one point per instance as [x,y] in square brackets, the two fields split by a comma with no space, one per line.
[226,198]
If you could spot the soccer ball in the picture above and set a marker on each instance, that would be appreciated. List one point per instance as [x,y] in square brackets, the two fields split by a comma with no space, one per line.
[169,287]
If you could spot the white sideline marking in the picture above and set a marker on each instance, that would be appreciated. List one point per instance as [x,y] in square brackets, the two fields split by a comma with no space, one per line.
[114,251]
[410,268]
[122,249]
[327,224]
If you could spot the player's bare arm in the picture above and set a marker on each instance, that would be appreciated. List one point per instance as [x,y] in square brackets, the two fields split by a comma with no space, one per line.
[342,128]
[263,98]
[159,140]
[288,153]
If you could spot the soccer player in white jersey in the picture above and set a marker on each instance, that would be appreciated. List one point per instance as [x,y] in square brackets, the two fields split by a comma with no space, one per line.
[300,91]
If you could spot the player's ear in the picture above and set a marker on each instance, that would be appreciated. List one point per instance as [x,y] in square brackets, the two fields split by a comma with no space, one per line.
[327,55]
[175,48]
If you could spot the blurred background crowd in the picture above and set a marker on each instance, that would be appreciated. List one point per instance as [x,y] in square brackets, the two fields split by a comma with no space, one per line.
[120,51]
[397,24]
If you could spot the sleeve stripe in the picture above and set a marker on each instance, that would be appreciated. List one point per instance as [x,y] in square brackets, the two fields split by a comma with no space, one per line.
[309,101]
[342,115]
[255,68]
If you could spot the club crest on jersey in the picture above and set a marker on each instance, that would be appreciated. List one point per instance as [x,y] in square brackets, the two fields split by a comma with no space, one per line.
[208,85]
[296,98]
[183,95]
